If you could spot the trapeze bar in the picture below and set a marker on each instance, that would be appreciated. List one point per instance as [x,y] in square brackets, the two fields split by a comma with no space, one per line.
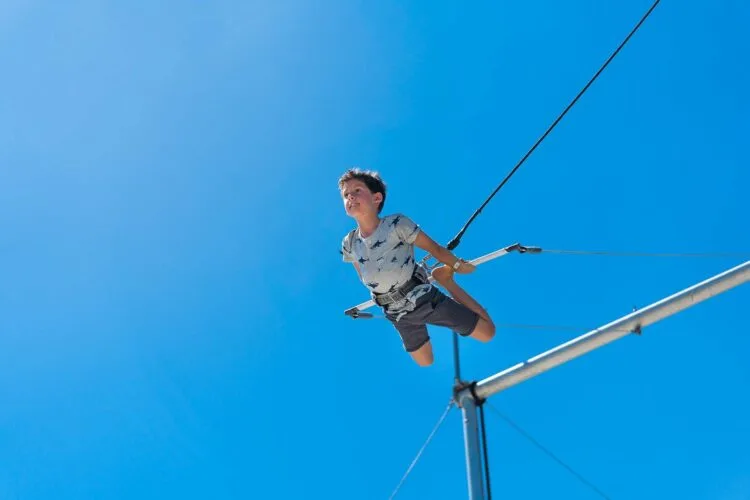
[517,247]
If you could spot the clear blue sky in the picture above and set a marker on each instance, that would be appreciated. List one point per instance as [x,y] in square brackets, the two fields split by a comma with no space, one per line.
[171,309]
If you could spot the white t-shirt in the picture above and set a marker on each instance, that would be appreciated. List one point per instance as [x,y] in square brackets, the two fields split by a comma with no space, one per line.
[386,259]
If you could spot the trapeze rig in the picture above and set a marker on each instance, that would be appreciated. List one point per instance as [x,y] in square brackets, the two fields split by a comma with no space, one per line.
[356,311]
[469,396]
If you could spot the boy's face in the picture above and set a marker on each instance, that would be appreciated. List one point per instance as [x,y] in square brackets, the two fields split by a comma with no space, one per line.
[359,200]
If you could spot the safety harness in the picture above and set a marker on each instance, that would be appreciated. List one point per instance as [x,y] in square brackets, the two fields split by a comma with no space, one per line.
[419,277]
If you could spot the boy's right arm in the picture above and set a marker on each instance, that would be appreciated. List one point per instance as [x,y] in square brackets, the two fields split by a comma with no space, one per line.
[359,273]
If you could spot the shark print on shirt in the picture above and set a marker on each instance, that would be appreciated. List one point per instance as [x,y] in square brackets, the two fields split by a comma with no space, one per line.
[386,259]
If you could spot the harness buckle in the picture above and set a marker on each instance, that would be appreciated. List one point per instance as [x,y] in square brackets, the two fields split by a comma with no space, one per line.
[419,277]
[383,299]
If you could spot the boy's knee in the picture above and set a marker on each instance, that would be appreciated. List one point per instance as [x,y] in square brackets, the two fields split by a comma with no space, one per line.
[490,330]
[423,356]
[424,363]
[485,330]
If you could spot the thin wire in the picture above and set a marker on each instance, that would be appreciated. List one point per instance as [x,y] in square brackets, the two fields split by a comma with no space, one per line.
[520,326]
[651,254]
[421,450]
[457,239]
[486,456]
[556,328]
[548,452]
[523,326]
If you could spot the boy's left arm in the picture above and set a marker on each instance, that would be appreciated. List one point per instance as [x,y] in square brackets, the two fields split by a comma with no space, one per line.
[442,254]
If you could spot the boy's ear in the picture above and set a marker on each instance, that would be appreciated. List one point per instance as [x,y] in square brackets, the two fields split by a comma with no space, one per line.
[378,197]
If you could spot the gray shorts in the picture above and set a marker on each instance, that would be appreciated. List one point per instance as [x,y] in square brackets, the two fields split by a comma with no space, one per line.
[433,308]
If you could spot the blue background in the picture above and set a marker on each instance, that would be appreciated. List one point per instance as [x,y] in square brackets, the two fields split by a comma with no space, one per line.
[171,305]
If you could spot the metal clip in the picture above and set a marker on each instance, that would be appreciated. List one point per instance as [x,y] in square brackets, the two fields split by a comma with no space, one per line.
[356,313]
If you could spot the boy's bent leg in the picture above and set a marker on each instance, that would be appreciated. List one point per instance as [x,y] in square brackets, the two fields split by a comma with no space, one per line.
[484,331]
[423,356]
[413,331]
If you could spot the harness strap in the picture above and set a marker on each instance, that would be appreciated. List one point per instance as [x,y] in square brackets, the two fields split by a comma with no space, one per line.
[418,278]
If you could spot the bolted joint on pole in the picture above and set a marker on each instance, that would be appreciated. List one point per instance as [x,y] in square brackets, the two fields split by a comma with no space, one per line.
[463,389]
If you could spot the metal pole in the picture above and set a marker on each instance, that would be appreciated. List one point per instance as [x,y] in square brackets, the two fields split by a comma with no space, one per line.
[612,331]
[456,361]
[471,443]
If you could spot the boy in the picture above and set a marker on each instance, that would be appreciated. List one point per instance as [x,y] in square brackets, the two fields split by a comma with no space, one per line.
[382,251]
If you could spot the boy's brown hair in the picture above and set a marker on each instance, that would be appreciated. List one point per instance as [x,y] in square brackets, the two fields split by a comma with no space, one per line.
[370,178]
